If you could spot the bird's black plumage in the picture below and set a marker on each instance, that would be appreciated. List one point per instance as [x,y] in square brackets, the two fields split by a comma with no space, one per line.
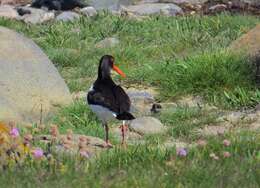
[107,94]
[58,4]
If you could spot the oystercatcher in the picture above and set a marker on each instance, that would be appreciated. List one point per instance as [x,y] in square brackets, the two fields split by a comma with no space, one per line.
[108,100]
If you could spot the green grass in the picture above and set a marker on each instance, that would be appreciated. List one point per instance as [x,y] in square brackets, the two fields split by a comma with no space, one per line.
[178,56]
[184,55]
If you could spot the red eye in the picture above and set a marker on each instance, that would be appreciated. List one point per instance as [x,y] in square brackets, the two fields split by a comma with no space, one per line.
[112,62]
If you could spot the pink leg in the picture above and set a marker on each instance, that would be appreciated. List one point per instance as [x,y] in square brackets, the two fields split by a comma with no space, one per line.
[107,144]
[124,129]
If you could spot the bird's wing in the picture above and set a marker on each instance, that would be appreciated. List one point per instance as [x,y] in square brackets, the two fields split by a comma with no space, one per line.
[122,99]
[114,99]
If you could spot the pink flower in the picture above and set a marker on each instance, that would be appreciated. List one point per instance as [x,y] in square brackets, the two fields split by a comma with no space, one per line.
[226,142]
[201,143]
[182,152]
[226,154]
[84,154]
[214,156]
[38,153]
[14,132]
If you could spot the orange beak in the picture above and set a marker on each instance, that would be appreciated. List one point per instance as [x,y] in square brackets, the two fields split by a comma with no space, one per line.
[115,68]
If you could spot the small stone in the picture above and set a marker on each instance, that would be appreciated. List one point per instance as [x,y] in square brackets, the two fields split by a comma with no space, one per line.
[67,16]
[89,11]
[147,125]
[107,43]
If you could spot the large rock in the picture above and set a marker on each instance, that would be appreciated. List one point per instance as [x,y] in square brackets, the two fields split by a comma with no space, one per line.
[89,11]
[37,16]
[8,11]
[248,43]
[154,8]
[29,82]
[141,102]
[67,16]
[147,125]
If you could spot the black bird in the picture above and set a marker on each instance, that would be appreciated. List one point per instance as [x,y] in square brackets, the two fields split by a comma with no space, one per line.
[58,4]
[108,100]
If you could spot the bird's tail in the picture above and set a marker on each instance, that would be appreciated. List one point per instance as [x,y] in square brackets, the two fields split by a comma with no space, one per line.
[125,116]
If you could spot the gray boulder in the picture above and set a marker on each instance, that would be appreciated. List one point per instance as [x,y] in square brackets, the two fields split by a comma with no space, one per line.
[67,16]
[154,8]
[37,16]
[89,11]
[30,86]
[147,125]
[141,102]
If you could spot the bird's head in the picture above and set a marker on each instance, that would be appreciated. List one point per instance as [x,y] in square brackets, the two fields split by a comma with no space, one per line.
[106,64]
